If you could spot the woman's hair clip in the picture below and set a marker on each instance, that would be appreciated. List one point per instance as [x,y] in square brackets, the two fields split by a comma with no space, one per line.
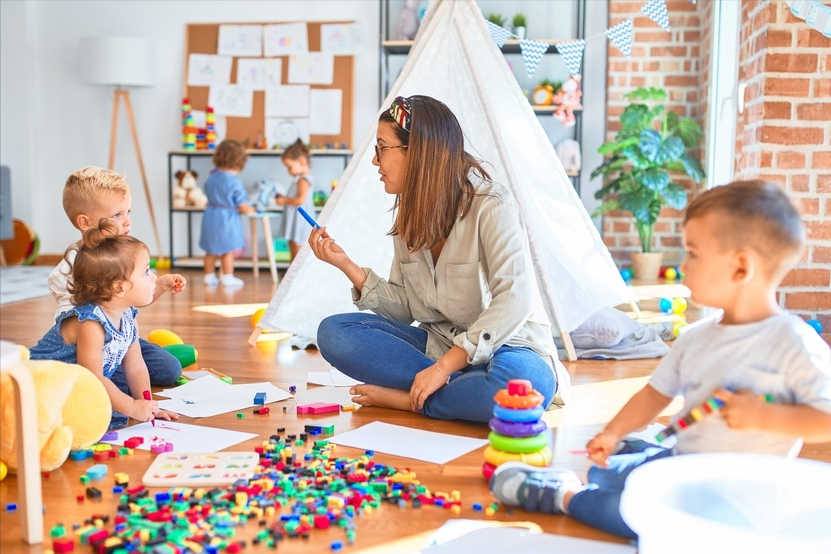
[402,113]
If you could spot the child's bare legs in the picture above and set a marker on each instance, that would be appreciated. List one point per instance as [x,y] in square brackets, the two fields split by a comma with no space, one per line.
[209,265]
[381,397]
[294,248]
[227,265]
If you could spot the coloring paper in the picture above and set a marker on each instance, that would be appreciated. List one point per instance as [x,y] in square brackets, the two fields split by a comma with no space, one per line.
[325,111]
[282,40]
[340,38]
[240,40]
[314,68]
[260,73]
[284,131]
[209,396]
[205,70]
[231,100]
[184,437]
[287,101]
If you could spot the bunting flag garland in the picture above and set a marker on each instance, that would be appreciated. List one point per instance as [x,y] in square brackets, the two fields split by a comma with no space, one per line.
[656,10]
[532,53]
[499,34]
[621,36]
[572,52]
[814,13]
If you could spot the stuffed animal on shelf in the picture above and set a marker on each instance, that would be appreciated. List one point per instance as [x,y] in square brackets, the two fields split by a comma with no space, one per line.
[264,195]
[73,411]
[568,151]
[186,193]
[567,99]
[408,21]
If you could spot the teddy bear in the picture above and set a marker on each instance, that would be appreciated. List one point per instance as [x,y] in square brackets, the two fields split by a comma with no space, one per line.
[408,21]
[187,193]
[73,411]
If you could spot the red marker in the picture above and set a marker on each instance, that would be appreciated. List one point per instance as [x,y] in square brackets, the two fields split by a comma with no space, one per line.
[148,396]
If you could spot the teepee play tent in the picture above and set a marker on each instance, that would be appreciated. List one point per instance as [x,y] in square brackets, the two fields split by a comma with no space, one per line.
[455,60]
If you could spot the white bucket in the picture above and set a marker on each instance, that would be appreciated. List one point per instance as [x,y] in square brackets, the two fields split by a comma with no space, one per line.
[730,503]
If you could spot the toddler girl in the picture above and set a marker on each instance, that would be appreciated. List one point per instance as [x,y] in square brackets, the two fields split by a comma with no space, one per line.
[293,227]
[221,225]
[110,274]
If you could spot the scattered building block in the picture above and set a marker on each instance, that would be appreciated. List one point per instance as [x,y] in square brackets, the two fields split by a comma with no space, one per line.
[262,411]
[318,408]
[97,471]
[63,545]
[259,398]
[121,478]
[110,436]
[92,492]
[133,442]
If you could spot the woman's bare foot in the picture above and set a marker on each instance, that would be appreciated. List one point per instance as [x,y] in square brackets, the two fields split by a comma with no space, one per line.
[381,397]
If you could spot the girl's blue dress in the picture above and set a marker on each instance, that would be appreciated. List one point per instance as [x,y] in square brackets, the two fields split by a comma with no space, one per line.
[221,224]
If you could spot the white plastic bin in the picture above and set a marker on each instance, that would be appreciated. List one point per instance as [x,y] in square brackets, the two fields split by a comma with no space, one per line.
[730,503]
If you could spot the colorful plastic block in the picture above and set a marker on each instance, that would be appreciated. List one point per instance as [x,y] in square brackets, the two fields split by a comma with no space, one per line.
[259,398]
[97,471]
[318,408]
[262,411]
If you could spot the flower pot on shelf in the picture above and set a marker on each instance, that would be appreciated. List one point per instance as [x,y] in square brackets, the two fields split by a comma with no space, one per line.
[646,266]
[519,32]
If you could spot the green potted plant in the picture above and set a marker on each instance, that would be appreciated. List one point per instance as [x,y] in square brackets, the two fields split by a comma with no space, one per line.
[519,22]
[497,19]
[651,145]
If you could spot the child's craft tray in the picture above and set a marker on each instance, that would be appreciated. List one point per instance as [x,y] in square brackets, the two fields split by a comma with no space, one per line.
[173,469]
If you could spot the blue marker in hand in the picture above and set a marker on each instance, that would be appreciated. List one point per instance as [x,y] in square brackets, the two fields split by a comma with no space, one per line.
[308,218]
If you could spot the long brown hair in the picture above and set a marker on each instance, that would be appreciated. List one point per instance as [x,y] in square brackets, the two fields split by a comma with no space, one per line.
[436,189]
[104,258]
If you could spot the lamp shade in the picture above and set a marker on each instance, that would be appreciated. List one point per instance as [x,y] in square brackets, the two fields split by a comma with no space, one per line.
[120,61]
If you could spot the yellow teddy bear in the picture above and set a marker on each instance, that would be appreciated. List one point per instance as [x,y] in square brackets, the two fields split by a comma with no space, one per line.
[73,411]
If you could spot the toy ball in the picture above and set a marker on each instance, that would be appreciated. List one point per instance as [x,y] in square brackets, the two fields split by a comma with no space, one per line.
[679,305]
[665,305]
[678,274]
[671,273]
[3,471]
[163,337]
[662,272]
[258,315]
[816,324]
[676,327]
[626,273]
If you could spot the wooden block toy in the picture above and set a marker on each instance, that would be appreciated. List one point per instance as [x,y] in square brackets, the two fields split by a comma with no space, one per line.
[259,398]
[97,471]
[200,469]
[318,408]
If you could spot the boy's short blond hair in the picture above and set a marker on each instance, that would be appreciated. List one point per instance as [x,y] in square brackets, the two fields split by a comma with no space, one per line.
[87,185]
[756,214]
[230,154]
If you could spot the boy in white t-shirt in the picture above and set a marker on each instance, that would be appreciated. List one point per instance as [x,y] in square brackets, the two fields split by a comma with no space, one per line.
[741,241]
[89,194]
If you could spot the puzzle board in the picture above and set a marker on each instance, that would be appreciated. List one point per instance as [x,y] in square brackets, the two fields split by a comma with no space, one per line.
[200,469]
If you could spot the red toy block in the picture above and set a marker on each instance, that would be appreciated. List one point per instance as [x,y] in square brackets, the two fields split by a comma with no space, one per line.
[318,408]
[60,546]
[519,387]
[133,442]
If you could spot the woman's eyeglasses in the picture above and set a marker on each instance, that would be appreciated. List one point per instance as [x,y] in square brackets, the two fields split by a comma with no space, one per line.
[380,149]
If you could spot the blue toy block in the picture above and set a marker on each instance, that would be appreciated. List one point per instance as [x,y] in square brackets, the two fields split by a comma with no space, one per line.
[259,398]
[97,471]
[11,507]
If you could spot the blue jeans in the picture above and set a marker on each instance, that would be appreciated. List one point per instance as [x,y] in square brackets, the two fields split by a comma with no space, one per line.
[598,504]
[375,350]
[163,367]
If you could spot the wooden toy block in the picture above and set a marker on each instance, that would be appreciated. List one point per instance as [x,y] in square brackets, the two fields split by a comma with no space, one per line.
[318,408]
[259,398]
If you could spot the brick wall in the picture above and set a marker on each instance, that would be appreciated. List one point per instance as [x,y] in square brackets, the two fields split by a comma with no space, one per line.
[671,61]
[784,135]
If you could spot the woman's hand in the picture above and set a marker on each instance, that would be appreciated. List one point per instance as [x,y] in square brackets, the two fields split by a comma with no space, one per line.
[325,249]
[426,382]
[601,447]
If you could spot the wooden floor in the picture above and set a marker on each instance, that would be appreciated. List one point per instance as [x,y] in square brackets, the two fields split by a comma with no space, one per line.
[217,322]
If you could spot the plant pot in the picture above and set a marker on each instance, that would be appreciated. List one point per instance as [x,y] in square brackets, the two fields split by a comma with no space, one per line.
[646,266]
[520,32]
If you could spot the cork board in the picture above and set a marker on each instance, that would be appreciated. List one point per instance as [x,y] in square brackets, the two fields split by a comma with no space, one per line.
[203,38]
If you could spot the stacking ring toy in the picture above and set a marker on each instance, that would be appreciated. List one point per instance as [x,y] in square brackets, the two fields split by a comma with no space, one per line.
[540,458]
[519,445]
[530,400]
[517,429]
[508,414]
[487,470]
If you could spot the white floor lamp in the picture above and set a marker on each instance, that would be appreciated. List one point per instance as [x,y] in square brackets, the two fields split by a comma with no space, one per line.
[121,62]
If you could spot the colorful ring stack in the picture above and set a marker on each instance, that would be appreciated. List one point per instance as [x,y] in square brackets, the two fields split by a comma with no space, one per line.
[517,434]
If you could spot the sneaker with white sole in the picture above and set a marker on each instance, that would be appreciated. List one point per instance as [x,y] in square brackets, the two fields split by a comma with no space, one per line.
[211,280]
[536,489]
[228,280]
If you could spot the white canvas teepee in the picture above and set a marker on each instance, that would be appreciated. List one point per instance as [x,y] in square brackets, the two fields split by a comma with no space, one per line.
[455,60]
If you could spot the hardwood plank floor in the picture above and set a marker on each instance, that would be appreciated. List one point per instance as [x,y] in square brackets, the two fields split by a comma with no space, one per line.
[600,389]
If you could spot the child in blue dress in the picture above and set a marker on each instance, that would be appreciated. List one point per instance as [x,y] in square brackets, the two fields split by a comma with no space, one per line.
[293,227]
[221,225]
[110,275]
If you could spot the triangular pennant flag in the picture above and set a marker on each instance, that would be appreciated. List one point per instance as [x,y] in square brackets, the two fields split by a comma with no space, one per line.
[657,12]
[572,52]
[621,36]
[499,34]
[532,52]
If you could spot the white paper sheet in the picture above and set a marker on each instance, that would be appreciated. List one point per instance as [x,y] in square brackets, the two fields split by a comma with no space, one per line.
[314,68]
[284,131]
[209,396]
[285,39]
[287,101]
[341,380]
[340,38]
[231,100]
[427,446]
[331,378]
[478,536]
[205,70]
[325,108]
[259,73]
[185,438]
[240,40]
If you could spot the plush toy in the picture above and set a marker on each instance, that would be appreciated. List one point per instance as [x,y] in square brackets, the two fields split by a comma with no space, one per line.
[187,193]
[568,151]
[73,412]
[265,194]
[567,100]
[408,21]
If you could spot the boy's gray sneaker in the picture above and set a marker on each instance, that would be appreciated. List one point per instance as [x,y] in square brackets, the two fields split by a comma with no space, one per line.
[536,489]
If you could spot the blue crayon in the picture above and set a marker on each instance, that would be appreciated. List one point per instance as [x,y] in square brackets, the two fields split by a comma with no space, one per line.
[307,217]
